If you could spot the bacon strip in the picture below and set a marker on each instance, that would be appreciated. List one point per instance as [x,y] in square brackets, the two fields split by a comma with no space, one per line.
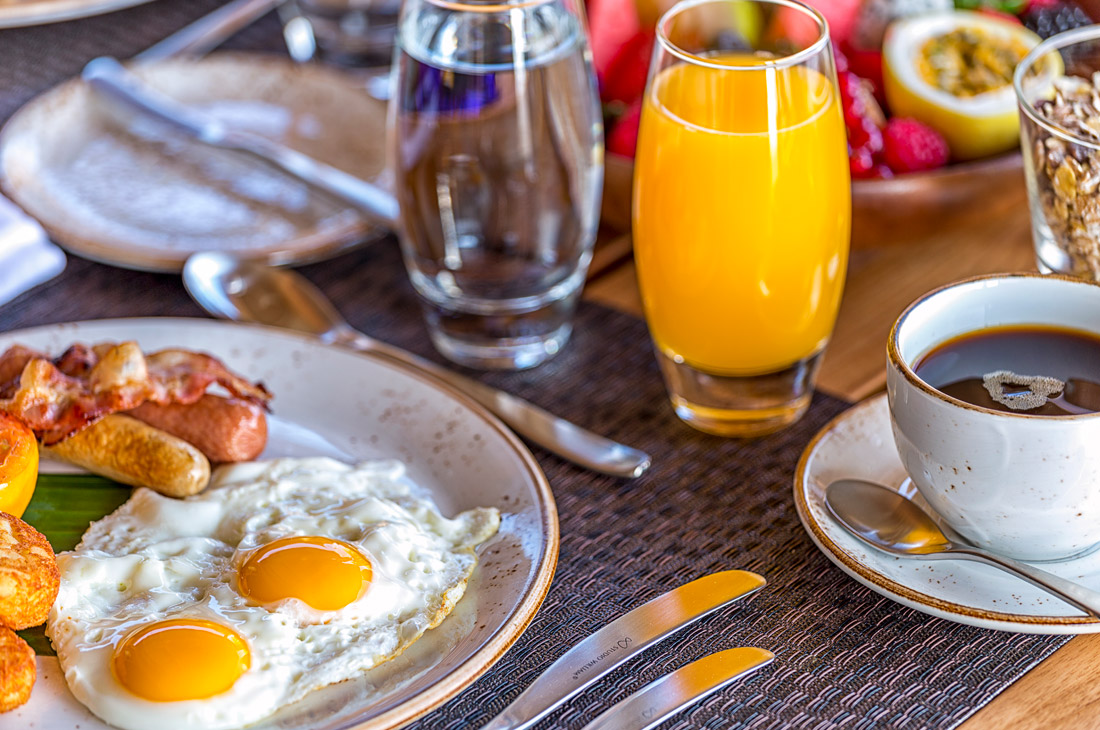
[12,362]
[56,399]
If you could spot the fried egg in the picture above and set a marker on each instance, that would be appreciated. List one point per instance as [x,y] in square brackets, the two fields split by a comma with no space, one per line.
[284,577]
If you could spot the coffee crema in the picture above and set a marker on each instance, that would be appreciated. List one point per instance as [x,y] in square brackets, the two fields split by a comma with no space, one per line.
[1033,370]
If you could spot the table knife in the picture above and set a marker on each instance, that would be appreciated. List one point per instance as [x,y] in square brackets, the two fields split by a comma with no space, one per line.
[622,640]
[111,81]
[660,700]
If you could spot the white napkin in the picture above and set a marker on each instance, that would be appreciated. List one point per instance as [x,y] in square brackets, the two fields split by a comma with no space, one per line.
[27,258]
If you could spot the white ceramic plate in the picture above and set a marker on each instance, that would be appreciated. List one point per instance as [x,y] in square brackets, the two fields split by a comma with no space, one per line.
[335,403]
[17,13]
[858,444]
[126,191]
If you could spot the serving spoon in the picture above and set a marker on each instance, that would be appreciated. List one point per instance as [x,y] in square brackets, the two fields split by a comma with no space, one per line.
[894,524]
[250,292]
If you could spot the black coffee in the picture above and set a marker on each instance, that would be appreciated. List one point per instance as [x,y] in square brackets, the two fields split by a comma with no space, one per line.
[1032,369]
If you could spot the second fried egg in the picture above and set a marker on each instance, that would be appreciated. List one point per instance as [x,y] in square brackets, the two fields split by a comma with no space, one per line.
[284,577]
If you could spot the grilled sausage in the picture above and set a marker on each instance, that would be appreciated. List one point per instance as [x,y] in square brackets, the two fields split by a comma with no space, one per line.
[132,452]
[224,429]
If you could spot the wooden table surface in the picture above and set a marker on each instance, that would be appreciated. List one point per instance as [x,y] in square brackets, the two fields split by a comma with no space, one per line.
[883,278]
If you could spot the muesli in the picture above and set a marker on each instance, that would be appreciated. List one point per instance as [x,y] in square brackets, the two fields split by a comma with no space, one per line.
[1068,174]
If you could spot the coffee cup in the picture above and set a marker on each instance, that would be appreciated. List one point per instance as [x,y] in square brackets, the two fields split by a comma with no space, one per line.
[1013,482]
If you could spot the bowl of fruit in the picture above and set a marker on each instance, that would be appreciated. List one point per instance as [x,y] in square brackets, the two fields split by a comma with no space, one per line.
[926,93]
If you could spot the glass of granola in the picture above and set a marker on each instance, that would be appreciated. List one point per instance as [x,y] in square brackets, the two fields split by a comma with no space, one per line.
[1058,89]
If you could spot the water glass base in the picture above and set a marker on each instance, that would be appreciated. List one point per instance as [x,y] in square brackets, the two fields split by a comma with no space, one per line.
[500,342]
[741,406]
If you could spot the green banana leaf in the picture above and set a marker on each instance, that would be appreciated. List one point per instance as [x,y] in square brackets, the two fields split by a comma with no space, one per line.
[61,509]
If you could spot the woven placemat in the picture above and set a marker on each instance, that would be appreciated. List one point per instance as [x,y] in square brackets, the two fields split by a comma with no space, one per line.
[845,657]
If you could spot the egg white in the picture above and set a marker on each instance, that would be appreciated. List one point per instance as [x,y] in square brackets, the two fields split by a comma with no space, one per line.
[157,558]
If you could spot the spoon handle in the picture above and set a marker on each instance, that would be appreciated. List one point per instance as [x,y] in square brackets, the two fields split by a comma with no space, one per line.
[554,434]
[1075,594]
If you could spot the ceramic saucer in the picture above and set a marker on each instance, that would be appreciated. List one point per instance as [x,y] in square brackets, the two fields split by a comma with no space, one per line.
[131,193]
[858,444]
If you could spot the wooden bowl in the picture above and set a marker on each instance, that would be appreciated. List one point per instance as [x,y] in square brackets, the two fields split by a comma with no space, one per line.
[903,210]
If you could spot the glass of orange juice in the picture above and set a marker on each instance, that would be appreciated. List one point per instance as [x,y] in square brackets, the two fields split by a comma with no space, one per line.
[742,209]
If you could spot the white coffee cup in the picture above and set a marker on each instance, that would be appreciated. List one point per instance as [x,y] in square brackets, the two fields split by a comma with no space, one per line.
[1022,485]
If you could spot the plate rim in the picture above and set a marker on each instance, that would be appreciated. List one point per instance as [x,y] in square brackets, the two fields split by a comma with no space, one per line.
[45,12]
[898,592]
[303,249]
[521,616]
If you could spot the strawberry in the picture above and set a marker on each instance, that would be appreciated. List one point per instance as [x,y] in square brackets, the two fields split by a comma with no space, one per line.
[623,137]
[840,60]
[881,172]
[866,135]
[861,163]
[857,101]
[910,146]
[626,73]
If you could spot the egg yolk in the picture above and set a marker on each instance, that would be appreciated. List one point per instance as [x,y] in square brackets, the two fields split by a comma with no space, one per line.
[180,659]
[325,573]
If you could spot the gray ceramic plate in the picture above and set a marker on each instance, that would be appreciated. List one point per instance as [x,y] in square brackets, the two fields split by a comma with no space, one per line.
[130,193]
[335,403]
[17,13]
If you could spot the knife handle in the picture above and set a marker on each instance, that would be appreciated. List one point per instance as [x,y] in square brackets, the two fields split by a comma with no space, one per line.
[663,698]
[622,640]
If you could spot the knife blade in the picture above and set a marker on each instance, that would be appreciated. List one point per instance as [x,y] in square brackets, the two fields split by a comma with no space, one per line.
[123,90]
[678,690]
[622,640]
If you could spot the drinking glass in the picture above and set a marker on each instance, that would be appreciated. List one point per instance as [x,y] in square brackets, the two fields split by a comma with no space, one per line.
[348,33]
[741,209]
[497,147]
[1055,90]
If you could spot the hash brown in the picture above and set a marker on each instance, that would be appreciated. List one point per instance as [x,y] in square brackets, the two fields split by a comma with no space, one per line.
[17,670]
[29,578]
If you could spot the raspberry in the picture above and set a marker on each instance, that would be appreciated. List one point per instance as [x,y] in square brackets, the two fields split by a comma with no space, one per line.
[909,146]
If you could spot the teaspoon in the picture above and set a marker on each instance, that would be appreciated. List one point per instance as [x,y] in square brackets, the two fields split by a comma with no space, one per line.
[250,292]
[889,521]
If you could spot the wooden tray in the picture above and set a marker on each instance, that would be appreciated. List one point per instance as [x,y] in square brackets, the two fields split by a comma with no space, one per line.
[901,210]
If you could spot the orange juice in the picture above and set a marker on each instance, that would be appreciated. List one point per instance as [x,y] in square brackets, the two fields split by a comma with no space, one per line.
[741,214]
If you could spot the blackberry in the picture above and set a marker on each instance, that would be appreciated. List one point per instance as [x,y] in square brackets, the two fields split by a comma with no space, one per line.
[1048,21]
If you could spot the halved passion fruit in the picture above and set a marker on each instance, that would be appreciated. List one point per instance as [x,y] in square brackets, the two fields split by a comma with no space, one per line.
[953,71]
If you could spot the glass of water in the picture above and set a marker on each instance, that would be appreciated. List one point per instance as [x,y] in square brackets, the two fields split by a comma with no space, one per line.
[497,149]
[347,33]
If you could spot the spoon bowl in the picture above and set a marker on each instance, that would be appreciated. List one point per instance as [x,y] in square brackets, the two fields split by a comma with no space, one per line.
[892,523]
[250,292]
[884,518]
